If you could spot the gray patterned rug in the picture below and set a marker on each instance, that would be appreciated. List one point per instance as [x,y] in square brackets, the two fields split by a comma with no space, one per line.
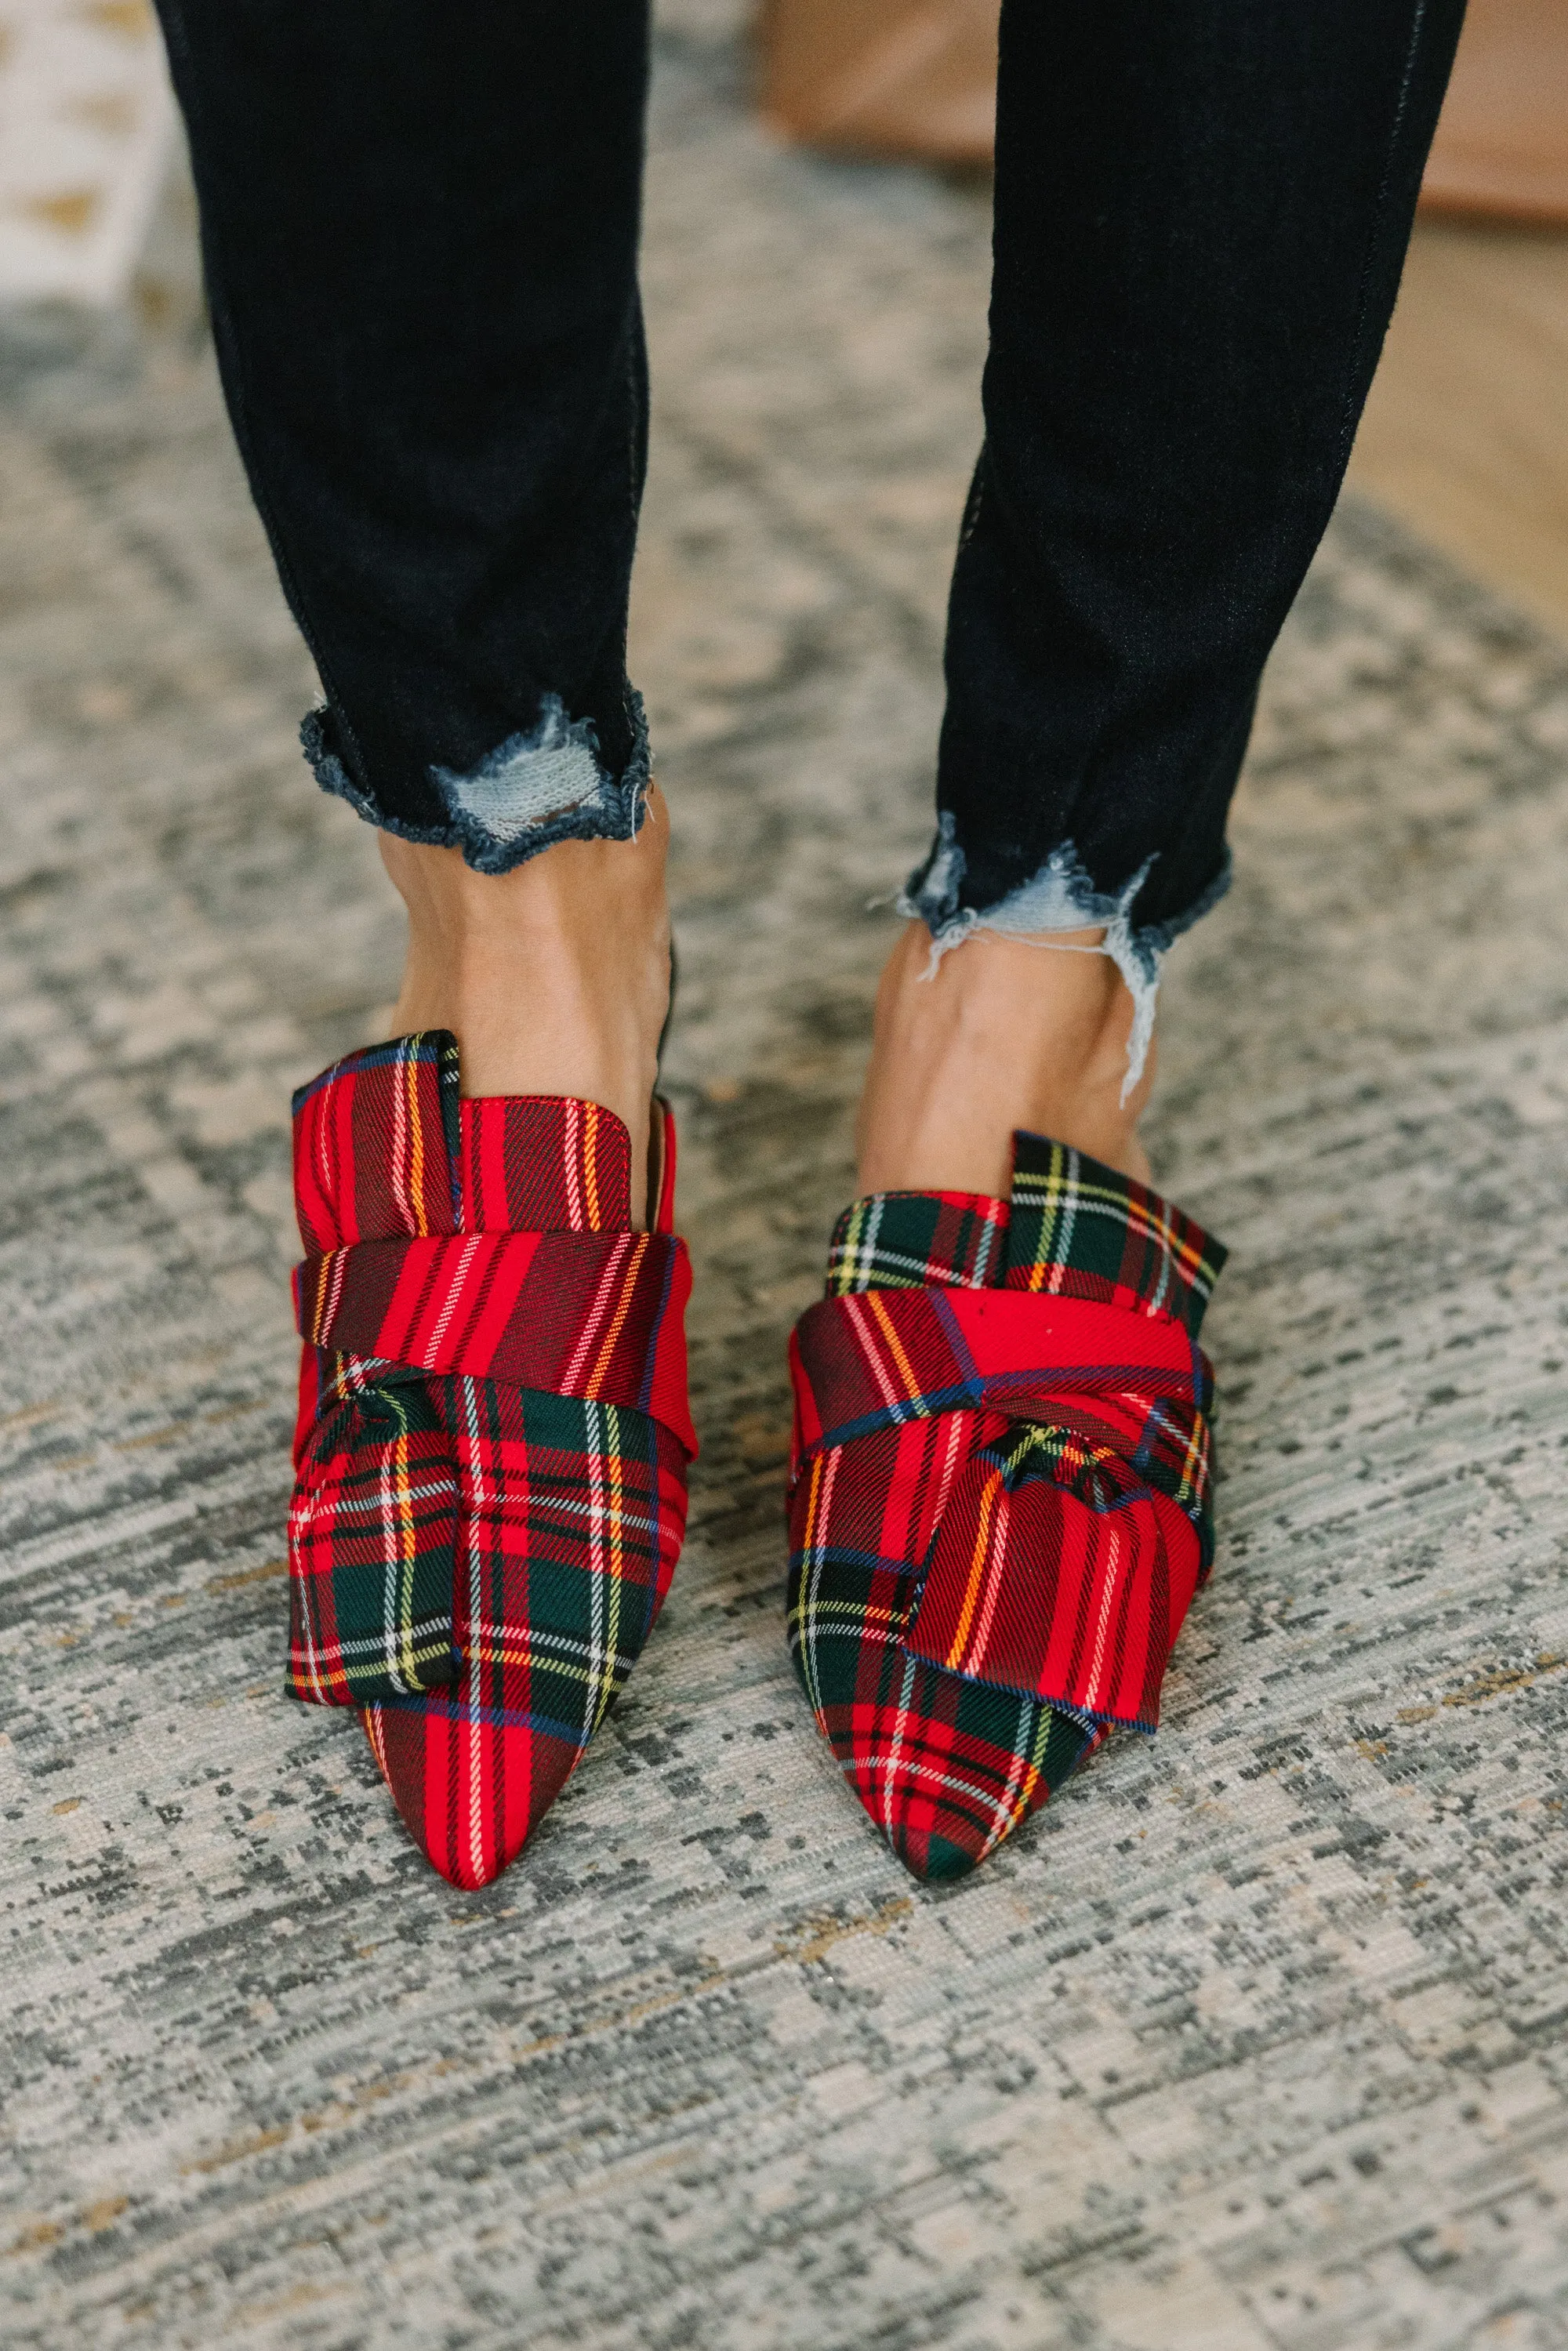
[1259,2036]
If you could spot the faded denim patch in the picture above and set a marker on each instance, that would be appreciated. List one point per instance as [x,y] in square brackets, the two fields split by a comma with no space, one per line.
[1060,896]
[547,784]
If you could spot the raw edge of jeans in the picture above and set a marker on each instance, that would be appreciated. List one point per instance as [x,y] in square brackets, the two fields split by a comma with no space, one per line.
[1059,895]
[481,848]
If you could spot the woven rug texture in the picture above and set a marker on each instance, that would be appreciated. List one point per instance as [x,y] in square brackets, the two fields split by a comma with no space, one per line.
[1257,2039]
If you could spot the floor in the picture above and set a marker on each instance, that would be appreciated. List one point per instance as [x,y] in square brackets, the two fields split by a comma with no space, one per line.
[1257,2038]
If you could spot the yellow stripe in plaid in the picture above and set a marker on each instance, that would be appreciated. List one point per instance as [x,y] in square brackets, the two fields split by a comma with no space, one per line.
[416,1145]
[591,1165]
[978,1565]
[609,1457]
[627,1277]
[906,1369]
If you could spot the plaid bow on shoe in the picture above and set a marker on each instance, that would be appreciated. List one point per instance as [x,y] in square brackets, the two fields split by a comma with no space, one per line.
[1000,1491]
[493,1435]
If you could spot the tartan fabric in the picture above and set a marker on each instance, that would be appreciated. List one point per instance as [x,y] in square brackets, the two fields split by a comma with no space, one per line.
[536,1530]
[904,1240]
[999,1502]
[595,1315]
[372,1527]
[1123,1388]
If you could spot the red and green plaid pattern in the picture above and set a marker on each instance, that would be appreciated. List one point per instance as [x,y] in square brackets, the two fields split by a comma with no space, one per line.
[372,1523]
[1000,1503]
[478,1559]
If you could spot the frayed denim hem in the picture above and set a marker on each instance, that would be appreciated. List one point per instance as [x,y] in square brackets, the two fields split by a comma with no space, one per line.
[549,784]
[1059,897]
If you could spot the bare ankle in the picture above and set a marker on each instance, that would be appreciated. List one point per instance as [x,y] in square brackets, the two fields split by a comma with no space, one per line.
[554,977]
[1006,1033]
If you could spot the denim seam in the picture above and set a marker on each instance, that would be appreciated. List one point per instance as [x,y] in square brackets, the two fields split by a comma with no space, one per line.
[1379,213]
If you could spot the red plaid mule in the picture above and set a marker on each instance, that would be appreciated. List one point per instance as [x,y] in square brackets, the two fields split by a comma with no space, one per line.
[999,1490]
[493,1435]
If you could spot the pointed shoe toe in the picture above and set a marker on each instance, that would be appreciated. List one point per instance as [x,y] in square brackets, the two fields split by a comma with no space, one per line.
[999,1490]
[470,1794]
[943,1769]
[480,1317]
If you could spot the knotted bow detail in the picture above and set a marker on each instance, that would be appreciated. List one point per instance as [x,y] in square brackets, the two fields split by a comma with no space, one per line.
[1074,1525]
[1057,1517]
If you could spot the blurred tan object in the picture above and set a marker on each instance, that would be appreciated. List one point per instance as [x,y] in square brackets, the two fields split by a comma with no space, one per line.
[87,125]
[918,78]
[884,76]
[1462,437]
[1502,142]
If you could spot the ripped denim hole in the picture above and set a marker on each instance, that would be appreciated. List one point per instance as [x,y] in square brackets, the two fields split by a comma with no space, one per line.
[1060,896]
[545,785]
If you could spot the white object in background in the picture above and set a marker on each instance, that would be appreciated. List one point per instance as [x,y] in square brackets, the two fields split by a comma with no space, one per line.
[86,122]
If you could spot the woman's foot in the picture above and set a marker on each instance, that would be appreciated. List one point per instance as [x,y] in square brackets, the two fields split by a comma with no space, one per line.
[998,1498]
[554,979]
[493,1436]
[1006,1033]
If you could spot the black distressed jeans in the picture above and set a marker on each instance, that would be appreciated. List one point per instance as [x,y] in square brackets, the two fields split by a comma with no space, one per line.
[420,222]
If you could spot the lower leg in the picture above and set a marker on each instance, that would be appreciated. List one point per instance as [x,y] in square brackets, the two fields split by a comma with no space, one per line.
[421,250]
[1201,213]
[1201,210]
[1005,1033]
[554,977]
